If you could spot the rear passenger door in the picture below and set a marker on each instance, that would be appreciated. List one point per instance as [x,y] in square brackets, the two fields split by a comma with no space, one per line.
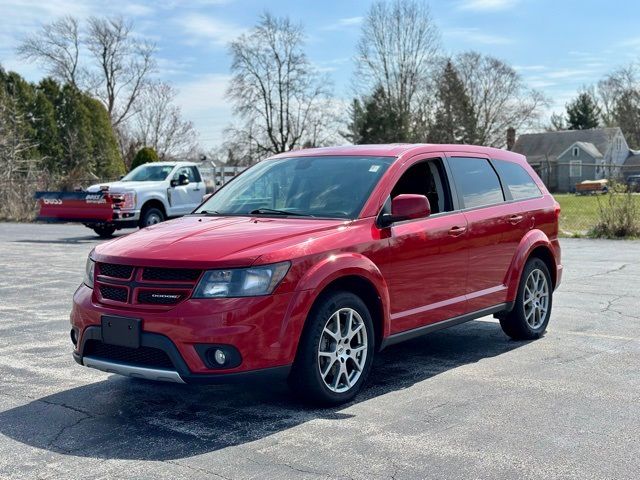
[521,201]
[490,245]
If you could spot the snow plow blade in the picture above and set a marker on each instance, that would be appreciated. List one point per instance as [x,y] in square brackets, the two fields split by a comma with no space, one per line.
[82,207]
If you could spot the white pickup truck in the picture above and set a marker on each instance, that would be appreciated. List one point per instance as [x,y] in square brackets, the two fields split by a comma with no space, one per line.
[145,196]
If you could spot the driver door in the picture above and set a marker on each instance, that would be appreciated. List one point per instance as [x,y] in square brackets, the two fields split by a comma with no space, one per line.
[185,198]
[426,264]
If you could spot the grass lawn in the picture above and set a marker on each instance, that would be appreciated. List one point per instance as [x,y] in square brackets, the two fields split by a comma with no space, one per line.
[580,212]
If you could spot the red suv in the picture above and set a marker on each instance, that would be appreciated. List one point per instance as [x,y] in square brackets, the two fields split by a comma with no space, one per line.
[310,262]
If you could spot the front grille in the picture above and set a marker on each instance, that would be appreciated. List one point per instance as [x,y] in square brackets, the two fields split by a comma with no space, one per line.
[142,356]
[160,297]
[171,274]
[116,271]
[151,286]
[118,294]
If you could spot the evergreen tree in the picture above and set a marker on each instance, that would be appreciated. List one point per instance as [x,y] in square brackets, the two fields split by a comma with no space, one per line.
[455,120]
[373,120]
[144,155]
[67,130]
[583,113]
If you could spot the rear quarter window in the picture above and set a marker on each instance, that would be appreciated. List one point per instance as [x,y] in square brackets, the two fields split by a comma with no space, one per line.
[517,180]
[476,181]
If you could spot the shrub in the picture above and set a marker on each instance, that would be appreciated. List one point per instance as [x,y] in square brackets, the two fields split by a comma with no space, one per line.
[619,215]
[144,155]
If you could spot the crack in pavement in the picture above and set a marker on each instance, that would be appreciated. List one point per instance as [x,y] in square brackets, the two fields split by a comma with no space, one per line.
[198,469]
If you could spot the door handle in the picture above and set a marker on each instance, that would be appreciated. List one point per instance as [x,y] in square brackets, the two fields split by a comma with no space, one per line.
[457,231]
[515,219]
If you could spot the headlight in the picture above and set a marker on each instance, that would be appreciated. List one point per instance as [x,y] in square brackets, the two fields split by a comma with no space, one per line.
[241,282]
[89,273]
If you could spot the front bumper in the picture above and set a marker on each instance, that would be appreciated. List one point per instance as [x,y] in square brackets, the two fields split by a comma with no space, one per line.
[263,330]
[181,374]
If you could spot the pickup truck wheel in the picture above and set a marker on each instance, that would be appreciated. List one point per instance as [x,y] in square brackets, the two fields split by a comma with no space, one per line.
[335,352]
[104,231]
[530,315]
[151,216]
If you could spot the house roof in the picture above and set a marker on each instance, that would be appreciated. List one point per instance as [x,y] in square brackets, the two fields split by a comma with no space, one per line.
[633,160]
[539,146]
[588,147]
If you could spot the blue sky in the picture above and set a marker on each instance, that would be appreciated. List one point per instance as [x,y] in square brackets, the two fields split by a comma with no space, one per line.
[557,45]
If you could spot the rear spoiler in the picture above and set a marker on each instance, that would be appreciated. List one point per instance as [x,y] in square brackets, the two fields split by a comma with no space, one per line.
[84,207]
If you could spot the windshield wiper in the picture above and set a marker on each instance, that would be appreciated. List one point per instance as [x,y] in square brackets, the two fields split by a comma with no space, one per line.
[278,212]
[209,212]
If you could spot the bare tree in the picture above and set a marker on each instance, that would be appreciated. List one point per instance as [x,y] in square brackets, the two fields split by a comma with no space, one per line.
[499,97]
[398,51]
[274,88]
[124,63]
[56,47]
[159,123]
[619,98]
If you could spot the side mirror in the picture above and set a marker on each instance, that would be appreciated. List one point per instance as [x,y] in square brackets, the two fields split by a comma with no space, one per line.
[182,180]
[407,207]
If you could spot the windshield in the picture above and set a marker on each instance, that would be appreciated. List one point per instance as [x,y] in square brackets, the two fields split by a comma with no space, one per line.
[148,173]
[333,187]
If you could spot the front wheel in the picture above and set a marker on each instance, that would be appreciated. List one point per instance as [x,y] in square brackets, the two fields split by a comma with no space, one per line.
[151,216]
[104,231]
[530,315]
[335,352]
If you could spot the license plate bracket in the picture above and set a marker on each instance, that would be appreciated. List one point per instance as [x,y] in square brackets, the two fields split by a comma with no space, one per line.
[121,331]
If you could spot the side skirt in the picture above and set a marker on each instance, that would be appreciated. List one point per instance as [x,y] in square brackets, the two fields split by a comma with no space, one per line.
[451,322]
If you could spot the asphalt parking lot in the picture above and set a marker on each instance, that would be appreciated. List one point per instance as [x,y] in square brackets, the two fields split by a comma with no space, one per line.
[461,403]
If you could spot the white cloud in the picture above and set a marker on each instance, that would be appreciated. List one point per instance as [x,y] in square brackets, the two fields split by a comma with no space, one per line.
[476,35]
[529,68]
[344,23]
[487,5]
[205,28]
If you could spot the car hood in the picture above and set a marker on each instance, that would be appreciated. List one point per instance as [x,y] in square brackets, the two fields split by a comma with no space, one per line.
[201,242]
[123,186]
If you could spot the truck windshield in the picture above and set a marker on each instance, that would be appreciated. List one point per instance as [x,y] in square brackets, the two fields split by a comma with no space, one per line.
[148,173]
[329,187]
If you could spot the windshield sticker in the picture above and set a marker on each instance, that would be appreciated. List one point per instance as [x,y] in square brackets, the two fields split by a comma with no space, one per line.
[374,168]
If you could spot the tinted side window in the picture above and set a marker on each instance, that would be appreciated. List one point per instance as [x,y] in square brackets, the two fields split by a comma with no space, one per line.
[517,180]
[476,181]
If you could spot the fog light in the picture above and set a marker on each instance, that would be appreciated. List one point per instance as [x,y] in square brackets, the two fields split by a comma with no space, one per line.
[220,357]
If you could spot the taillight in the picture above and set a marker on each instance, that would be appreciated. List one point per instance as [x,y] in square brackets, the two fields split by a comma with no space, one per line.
[556,209]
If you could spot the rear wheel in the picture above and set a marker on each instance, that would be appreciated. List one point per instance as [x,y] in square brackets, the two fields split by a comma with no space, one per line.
[104,231]
[335,352]
[151,216]
[530,315]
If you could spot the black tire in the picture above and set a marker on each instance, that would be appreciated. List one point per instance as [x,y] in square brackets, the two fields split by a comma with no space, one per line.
[515,323]
[151,216]
[306,380]
[104,231]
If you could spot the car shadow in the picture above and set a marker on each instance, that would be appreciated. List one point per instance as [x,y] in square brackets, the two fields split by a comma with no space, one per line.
[122,418]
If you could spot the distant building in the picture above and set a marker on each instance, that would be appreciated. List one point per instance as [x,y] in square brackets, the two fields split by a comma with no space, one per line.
[567,157]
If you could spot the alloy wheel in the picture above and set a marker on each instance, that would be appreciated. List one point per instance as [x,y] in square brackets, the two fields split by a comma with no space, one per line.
[342,351]
[536,299]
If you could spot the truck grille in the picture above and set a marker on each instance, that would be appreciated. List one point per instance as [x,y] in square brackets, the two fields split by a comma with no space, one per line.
[149,286]
[142,356]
